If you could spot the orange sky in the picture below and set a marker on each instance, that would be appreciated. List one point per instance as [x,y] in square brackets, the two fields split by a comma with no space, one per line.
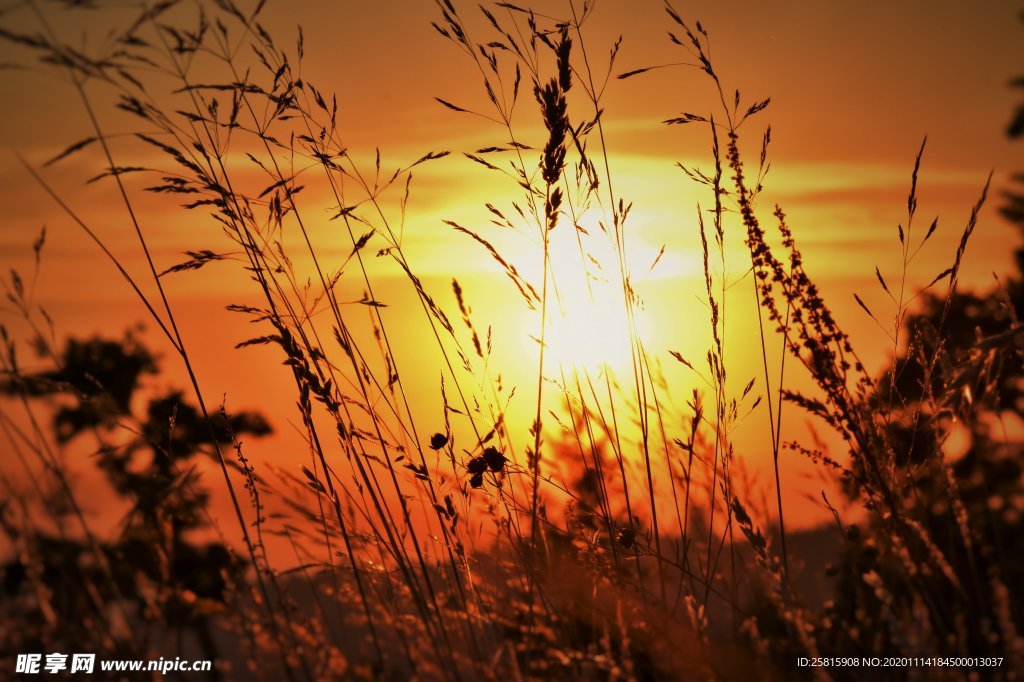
[854,89]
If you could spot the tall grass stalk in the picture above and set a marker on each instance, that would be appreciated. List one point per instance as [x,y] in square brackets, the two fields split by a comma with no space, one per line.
[613,536]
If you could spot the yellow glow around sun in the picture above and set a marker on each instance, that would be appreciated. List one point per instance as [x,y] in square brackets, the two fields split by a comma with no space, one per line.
[588,326]
[592,330]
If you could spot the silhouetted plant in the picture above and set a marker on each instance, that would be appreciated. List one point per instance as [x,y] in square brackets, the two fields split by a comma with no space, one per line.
[445,550]
[170,580]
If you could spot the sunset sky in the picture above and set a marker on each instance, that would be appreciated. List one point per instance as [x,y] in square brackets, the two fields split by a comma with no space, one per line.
[855,87]
[854,90]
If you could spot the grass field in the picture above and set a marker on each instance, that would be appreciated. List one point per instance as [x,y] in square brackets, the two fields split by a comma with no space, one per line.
[477,413]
